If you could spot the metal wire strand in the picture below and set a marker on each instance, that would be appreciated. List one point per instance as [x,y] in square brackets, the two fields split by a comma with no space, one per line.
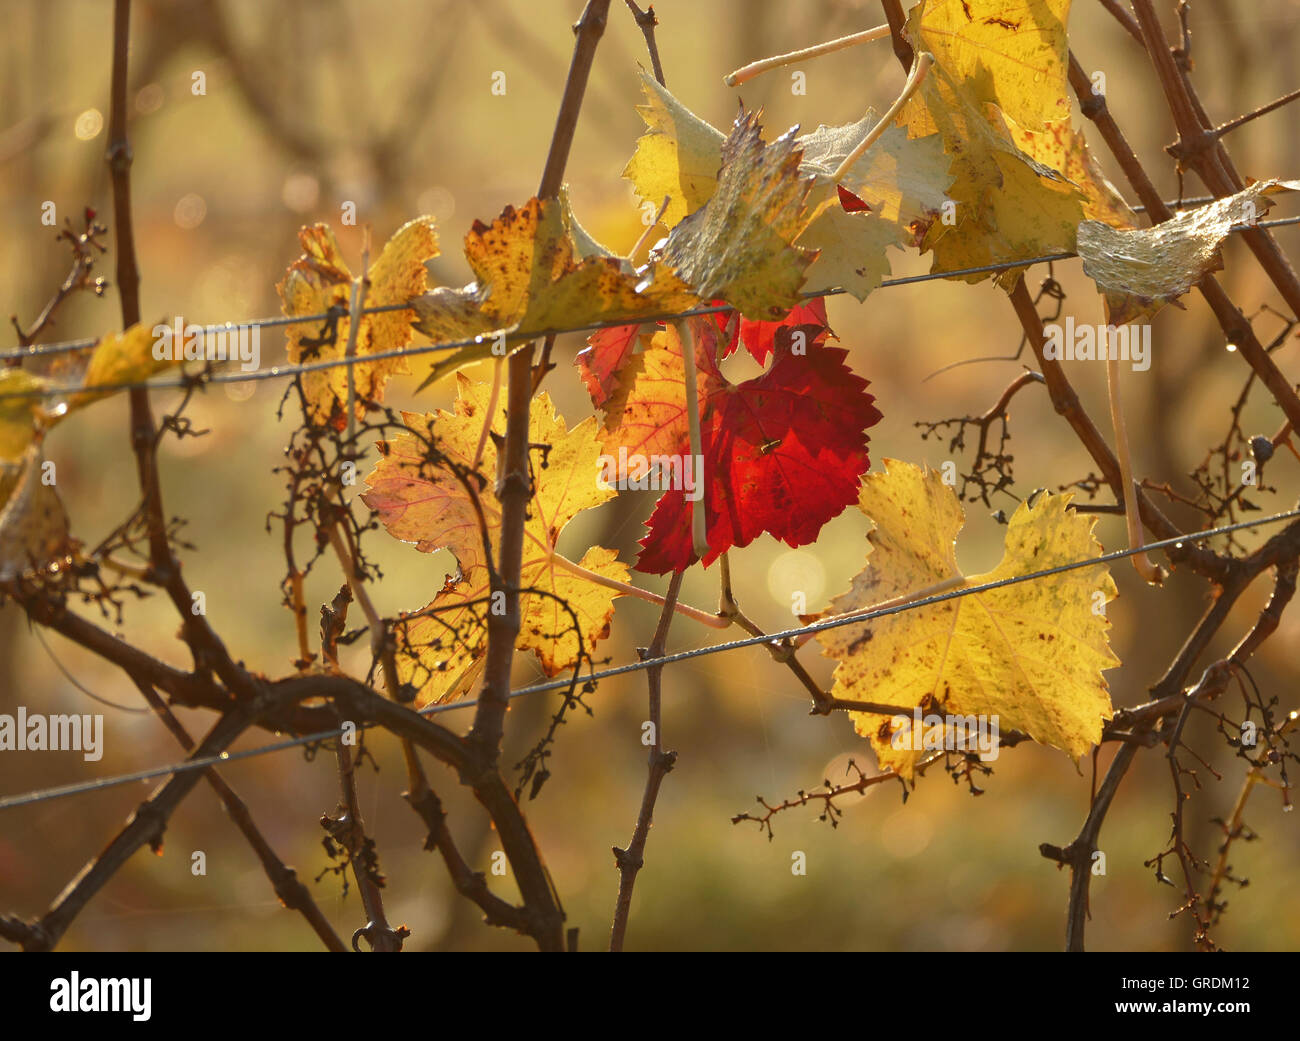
[45,795]
[285,371]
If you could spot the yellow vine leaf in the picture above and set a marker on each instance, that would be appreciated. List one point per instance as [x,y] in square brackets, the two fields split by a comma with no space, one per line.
[321,279]
[739,247]
[419,499]
[1032,654]
[1140,271]
[903,182]
[851,250]
[21,417]
[1009,205]
[1066,151]
[537,271]
[677,157]
[1010,53]
[125,357]
[33,524]
[117,358]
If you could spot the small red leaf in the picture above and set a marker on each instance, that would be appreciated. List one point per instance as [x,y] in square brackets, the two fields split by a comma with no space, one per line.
[850,202]
[782,454]
[607,352]
[758,337]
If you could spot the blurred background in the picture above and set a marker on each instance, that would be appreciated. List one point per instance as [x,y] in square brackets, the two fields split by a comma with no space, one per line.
[390,106]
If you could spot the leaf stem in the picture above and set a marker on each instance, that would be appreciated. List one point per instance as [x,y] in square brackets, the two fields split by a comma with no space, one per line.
[713,621]
[1148,569]
[756,68]
[699,532]
[920,66]
[497,369]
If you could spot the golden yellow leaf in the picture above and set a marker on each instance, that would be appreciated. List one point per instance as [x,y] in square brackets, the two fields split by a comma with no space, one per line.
[677,157]
[1003,56]
[321,279]
[21,416]
[33,524]
[851,250]
[1008,206]
[739,247]
[1030,654]
[1010,53]
[1066,151]
[126,357]
[537,271]
[418,499]
[1140,271]
[904,182]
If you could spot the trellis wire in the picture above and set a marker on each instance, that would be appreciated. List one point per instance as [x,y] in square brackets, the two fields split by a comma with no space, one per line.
[37,350]
[281,372]
[45,795]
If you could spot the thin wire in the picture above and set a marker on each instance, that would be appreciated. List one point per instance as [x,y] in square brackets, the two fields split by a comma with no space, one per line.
[281,372]
[37,350]
[14,801]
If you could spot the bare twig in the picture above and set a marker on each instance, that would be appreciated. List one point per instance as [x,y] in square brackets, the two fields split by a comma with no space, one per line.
[632,859]
[647,20]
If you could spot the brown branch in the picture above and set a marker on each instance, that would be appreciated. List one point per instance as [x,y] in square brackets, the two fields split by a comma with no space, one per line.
[647,21]
[349,829]
[831,813]
[1066,402]
[84,244]
[1169,698]
[469,883]
[363,706]
[284,880]
[1125,19]
[1263,110]
[207,648]
[146,825]
[902,49]
[631,860]
[784,651]
[1201,148]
